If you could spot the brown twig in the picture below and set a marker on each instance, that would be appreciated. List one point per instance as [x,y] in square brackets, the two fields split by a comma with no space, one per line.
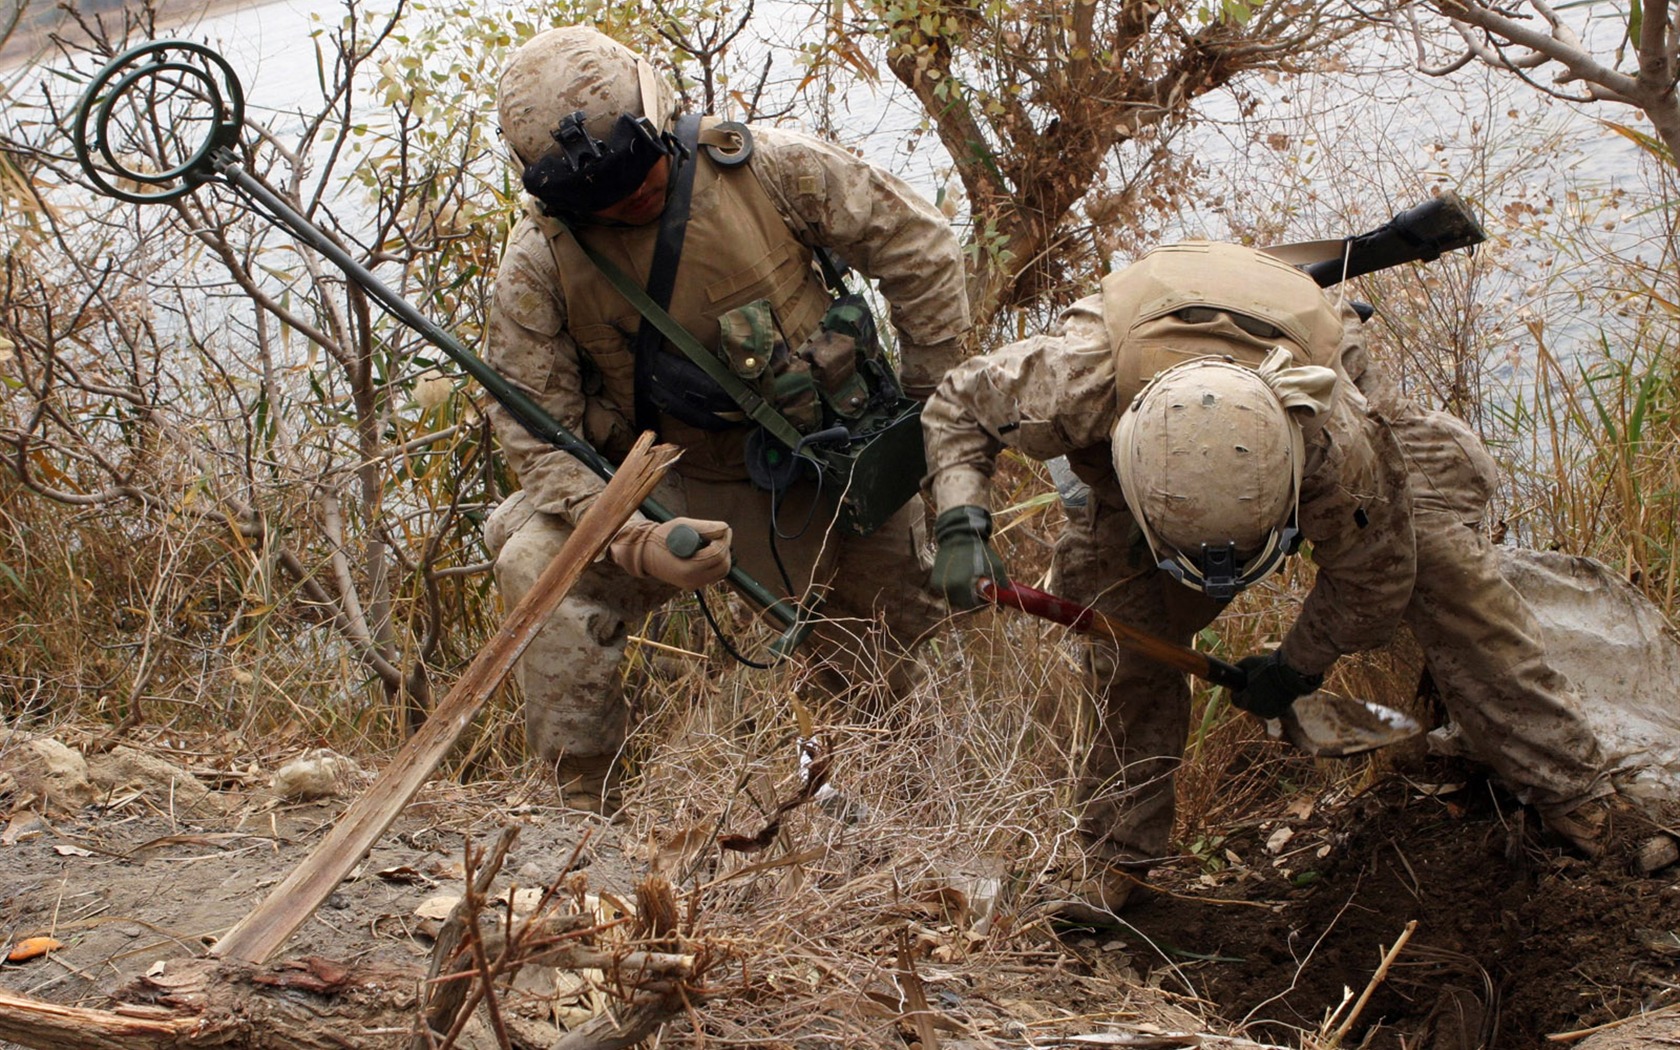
[1371,986]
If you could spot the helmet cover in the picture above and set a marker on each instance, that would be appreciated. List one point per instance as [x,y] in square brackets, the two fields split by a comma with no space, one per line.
[584,118]
[1210,459]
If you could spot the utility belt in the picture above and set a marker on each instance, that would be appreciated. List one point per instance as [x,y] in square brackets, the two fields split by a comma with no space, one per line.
[831,410]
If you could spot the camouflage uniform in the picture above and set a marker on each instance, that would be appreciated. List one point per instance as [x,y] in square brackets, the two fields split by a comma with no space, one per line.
[1481,643]
[563,335]
[1062,394]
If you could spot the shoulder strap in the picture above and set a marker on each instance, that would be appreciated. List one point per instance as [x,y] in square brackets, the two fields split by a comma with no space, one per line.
[656,322]
[834,271]
[662,273]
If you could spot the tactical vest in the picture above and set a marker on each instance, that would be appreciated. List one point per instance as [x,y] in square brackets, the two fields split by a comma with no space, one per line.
[1175,303]
[738,249]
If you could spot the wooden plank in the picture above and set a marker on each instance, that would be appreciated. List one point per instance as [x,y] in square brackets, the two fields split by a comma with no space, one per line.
[257,936]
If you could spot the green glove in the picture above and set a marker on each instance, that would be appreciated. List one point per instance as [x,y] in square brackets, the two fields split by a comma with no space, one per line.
[1272,685]
[964,555]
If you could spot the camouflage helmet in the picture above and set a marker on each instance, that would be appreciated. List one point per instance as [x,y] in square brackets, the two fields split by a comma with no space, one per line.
[1210,459]
[576,69]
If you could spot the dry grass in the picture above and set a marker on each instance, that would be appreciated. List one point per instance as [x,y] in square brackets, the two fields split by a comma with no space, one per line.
[921,864]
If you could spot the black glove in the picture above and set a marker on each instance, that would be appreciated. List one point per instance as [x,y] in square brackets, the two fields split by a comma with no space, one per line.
[1272,685]
[964,555]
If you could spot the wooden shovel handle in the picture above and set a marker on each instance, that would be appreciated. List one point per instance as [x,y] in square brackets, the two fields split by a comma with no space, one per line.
[1090,621]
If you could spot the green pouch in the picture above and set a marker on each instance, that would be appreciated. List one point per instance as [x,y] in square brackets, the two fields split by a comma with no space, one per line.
[834,368]
[751,343]
[749,339]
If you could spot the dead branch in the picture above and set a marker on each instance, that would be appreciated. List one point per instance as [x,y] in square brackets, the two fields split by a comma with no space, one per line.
[261,933]
[306,1004]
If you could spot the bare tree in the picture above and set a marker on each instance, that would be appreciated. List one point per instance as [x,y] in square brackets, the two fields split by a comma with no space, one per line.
[1045,106]
[1581,53]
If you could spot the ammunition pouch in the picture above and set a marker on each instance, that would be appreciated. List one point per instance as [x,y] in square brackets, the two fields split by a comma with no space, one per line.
[857,432]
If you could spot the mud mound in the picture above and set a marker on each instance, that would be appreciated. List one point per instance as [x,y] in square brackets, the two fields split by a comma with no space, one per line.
[1514,940]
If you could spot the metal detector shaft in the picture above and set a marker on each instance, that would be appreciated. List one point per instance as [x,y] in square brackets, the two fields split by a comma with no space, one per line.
[528,413]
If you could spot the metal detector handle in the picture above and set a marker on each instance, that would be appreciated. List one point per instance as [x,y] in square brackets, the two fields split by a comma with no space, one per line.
[1421,233]
[685,542]
[1089,621]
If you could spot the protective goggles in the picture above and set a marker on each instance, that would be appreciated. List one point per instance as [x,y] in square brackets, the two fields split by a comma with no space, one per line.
[582,174]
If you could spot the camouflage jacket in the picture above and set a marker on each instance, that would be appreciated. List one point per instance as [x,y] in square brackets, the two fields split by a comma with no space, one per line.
[1053,395]
[826,197]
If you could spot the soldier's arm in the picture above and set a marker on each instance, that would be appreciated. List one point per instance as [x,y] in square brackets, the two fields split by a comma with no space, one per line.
[1356,510]
[528,345]
[1046,396]
[875,221]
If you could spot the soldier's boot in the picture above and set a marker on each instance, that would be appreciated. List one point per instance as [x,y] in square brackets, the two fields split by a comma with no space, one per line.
[1593,827]
[1097,896]
[589,783]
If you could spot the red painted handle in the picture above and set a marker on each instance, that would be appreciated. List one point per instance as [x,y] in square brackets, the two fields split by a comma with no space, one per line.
[1090,621]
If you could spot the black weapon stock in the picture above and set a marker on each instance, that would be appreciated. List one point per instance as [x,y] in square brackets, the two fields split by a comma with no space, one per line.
[1422,233]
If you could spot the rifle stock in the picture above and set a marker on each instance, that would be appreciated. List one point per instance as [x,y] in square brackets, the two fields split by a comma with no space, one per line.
[1422,233]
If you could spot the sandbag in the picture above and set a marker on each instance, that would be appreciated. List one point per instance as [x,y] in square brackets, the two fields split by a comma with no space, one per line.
[1620,653]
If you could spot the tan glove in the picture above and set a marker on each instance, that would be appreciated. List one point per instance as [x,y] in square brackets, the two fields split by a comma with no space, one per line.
[643,548]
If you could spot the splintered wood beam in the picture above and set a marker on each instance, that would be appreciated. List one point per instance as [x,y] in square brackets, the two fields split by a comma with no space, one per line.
[35,1022]
[261,933]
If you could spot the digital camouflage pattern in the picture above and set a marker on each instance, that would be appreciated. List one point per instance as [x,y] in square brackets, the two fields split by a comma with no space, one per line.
[796,192]
[1392,501]
[561,71]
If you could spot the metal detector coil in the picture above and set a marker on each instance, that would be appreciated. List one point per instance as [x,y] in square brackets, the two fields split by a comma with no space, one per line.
[176,103]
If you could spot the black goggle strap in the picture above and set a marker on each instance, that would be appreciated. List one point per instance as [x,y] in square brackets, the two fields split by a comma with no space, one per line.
[1215,572]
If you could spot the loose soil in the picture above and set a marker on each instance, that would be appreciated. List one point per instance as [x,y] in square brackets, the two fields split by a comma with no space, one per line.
[1264,935]
[1515,939]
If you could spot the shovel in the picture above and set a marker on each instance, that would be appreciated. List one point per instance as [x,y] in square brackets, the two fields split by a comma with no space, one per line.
[1322,724]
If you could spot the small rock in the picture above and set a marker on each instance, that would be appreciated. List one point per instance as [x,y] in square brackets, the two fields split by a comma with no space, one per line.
[322,773]
[126,769]
[1655,854]
[1279,839]
[54,774]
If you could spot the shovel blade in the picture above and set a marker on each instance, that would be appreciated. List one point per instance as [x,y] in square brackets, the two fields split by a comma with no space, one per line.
[1331,726]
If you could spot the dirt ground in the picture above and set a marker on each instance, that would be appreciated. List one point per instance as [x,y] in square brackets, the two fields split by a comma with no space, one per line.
[127,888]
[1515,940]
[1273,927]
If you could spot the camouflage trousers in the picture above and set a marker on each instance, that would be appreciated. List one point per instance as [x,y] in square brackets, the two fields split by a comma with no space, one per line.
[576,701]
[1479,639]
